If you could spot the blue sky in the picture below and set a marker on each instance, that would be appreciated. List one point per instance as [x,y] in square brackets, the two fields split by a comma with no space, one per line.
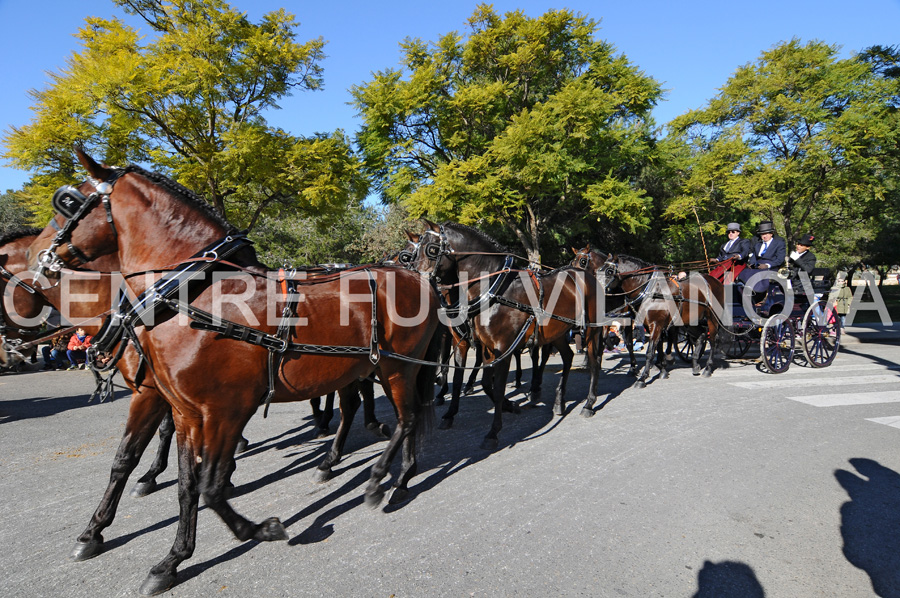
[691,47]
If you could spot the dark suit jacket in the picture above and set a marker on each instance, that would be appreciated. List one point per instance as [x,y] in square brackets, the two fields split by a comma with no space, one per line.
[739,250]
[806,263]
[774,256]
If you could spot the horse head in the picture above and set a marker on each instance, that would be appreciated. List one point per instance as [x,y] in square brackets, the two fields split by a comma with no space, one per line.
[78,233]
[164,221]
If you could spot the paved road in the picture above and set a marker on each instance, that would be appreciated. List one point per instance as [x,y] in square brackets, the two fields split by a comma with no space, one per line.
[743,485]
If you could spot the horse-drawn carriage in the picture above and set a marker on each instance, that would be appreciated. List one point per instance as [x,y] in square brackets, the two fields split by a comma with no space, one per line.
[779,324]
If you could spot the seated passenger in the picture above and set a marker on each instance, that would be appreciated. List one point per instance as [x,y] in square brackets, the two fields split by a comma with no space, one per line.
[732,256]
[767,253]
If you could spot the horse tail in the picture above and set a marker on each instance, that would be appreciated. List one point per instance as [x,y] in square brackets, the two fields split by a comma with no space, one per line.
[425,381]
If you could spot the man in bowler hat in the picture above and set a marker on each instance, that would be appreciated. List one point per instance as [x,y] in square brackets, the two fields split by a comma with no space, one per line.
[766,254]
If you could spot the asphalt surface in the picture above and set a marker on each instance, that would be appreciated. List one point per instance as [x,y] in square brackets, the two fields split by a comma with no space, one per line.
[744,485]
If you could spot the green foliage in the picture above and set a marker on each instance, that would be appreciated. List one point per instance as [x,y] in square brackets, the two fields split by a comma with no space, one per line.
[13,214]
[521,122]
[359,235]
[802,138]
[189,99]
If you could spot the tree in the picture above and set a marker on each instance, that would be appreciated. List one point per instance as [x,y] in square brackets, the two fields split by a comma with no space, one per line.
[13,215]
[800,137]
[529,123]
[190,101]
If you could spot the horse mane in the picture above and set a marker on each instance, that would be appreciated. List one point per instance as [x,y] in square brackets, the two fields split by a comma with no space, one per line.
[641,263]
[481,235]
[191,198]
[18,233]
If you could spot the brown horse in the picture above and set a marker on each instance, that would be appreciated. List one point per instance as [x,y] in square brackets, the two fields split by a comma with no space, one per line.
[214,372]
[659,302]
[508,309]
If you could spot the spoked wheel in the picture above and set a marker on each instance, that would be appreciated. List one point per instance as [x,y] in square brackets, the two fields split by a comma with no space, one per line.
[821,334]
[777,343]
[738,343]
[684,345]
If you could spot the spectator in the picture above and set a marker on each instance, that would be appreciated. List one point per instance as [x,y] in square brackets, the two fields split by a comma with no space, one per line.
[842,298]
[54,352]
[77,349]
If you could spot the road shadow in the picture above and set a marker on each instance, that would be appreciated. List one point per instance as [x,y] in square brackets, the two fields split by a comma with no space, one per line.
[870,523]
[37,407]
[728,579]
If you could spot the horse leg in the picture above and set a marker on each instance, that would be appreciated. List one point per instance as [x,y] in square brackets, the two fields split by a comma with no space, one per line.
[499,373]
[380,430]
[444,370]
[518,356]
[145,413]
[205,468]
[628,338]
[349,405]
[695,357]
[713,334]
[459,358]
[565,352]
[537,377]
[147,482]
[469,388]
[593,345]
[652,342]
[403,397]
[661,361]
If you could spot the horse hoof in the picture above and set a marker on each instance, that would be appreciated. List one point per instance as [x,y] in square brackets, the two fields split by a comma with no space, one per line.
[380,430]
[320,476]
[510,407]
[241,447]
[664,375]
[587,413]
[446,423]
[374,498]
[270,530]
[142,489]
[469,389]
[489,444]
[633,372]
[438,401]
[323,433]
[86,550]
[558,410]
[706,373]
[398,495]
[640,384]
[157,584]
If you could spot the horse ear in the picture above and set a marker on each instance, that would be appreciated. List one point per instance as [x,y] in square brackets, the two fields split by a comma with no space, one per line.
[414,238]
[97,171]
[429,224]
[587,248]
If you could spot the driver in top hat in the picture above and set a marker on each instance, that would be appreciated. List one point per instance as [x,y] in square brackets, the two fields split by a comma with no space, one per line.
[767,253]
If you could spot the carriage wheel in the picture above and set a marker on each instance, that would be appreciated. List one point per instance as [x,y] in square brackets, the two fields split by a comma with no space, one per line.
[739,344]
[820,342]
[777,343]
[684,346]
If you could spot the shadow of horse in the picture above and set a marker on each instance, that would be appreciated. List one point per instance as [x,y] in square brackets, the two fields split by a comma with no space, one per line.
[870,523]
[728,579]
[38,407]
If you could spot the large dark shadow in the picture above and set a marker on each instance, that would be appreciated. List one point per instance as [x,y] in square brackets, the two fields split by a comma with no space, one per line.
[37,407]
[728,579]
[870,523]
